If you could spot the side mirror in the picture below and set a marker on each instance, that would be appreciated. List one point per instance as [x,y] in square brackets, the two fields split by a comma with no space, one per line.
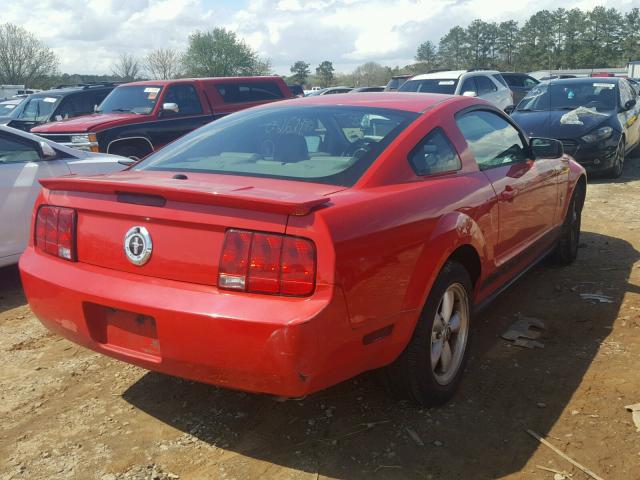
[48,153]
[630,104]
[510,109]
[469,93]
[546,148]
[127,162]
[170,107]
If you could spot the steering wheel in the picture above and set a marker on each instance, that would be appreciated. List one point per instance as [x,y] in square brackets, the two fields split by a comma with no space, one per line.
[595,103]
[357,148]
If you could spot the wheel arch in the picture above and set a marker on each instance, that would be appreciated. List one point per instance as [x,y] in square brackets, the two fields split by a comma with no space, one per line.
[457,237]
[581,184]
[142,143]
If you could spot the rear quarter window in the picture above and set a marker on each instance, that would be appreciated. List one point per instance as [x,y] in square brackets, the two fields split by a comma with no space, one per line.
[434,154]
[249,91]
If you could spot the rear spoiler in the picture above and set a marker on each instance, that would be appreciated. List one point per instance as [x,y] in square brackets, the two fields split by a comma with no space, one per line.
[251,198]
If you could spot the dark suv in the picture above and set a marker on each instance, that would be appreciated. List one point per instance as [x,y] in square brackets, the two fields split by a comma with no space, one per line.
[60,103]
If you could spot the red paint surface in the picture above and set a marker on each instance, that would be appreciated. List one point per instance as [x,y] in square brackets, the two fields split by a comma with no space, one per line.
[380,246]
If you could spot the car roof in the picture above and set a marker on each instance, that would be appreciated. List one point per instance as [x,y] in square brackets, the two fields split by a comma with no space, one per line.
[561,81]
[162,83]
[12,101]
[64,90]
[410,102]
[450,74]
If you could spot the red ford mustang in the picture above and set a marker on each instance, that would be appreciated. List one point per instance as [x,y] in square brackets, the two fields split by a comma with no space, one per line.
[289,247]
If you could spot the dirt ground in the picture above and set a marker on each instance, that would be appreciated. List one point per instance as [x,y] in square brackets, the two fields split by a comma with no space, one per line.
[66,412]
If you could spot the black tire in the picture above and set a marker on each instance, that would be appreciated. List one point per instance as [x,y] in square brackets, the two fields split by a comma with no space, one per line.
[129,151]
[616,170]
[566,250]
[412,376]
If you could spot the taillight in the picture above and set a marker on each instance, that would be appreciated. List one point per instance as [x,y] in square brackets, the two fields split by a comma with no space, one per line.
[267,263]
[56,231]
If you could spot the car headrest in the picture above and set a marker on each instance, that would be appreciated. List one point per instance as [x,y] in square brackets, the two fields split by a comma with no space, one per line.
[290,148]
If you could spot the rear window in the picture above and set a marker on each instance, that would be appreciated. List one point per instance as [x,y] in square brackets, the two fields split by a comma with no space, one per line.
[432,85]
[249,91]
[323,144]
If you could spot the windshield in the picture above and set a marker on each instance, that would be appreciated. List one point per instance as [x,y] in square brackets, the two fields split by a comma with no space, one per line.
[570,95]
[38,109]
[323,144]
[7,108]
[431,85]
[134,99]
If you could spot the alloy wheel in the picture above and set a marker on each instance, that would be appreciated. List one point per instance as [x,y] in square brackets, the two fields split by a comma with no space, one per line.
[449,334]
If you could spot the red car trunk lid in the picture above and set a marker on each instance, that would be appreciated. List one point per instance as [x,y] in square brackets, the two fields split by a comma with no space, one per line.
[186,219]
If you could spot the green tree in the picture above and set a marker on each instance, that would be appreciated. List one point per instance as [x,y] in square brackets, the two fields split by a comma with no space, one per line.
[427,54]
[24,60]
[573,38]
[603,35]
[537,43]
[631,37]
[507,44]
[324,71]
[220,53]
[453,49]
[300,72]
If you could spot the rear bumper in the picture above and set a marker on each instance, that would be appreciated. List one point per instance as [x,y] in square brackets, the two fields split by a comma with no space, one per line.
[282,346]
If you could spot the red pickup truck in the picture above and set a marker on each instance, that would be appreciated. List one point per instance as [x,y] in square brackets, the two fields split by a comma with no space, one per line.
[140,117]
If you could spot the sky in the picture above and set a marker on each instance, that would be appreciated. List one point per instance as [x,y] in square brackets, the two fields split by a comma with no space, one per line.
[89,35]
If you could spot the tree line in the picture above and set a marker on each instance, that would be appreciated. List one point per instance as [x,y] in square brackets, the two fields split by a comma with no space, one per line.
[558,39]
[25,60]
[548,40]
[562,38]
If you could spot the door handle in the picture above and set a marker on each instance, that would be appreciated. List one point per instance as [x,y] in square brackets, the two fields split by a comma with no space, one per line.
[508,194]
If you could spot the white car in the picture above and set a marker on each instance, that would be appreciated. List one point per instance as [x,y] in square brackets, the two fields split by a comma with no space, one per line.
[25,159]
[486,84]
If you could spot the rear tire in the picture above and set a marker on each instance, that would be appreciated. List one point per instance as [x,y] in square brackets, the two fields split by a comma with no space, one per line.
[430,368]
[566,250]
